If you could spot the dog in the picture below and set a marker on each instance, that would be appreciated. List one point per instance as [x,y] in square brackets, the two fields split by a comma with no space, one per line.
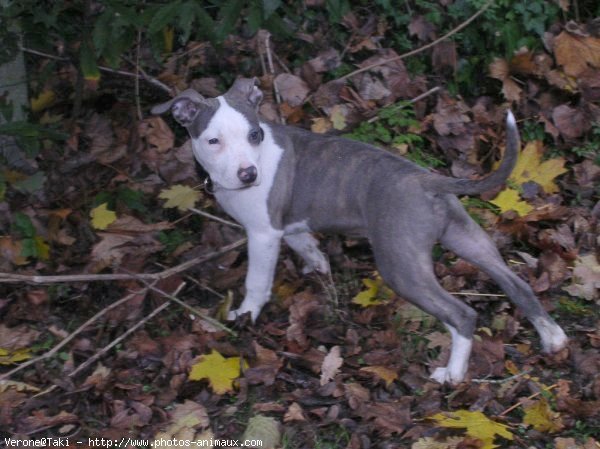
[283,182]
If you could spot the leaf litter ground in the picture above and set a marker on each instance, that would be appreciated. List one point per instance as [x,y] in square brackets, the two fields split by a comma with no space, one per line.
[330,363]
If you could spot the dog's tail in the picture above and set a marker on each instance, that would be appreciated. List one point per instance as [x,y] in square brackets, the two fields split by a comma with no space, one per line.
[458,186]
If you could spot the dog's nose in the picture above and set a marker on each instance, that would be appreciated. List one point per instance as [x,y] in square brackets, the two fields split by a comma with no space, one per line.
[248,175]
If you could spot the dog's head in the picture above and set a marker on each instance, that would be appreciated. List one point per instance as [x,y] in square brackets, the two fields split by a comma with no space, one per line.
[225,131]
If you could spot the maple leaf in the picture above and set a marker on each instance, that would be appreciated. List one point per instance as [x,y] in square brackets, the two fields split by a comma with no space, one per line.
[102,216]
[180,196]
[477,425]
[540,416]
[530,168]
[220,371]
[376,293]
[509,199]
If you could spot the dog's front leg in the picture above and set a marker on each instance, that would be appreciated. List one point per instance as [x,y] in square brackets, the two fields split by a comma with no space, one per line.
[263,250]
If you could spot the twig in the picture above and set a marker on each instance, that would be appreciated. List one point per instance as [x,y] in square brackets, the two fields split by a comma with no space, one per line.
[196,312]
[424,47]
[501,381]
[37,279]
[115,342]
[215,218]
[72,335]
[144,75]
[137,77]
[522,401]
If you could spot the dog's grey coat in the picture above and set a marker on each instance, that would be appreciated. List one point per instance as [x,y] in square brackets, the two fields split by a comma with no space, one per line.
[324,183]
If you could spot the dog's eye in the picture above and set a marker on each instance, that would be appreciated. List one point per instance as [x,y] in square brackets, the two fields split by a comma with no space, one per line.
[213,141]
[256,135]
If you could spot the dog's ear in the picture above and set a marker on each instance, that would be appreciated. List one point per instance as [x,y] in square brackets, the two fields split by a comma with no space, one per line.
[184,107]
[245,89]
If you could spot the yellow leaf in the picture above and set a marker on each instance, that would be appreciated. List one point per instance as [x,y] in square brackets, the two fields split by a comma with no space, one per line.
[43,100]
[42,248]
[321,125]
[168,35]
[180,196]
[375,293]
[509,199]
[386,374]
[540,416]
[18,355]
[530,167]
[477,425]
[220,371]
[102,216]
[338,117]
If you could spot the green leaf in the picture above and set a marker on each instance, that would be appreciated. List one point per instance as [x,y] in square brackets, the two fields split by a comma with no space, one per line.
[32,183]
[164,16]
[87,61]
[23,225]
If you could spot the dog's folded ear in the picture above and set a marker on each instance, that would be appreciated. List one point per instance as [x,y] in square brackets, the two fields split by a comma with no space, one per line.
[245,89]
[184,107]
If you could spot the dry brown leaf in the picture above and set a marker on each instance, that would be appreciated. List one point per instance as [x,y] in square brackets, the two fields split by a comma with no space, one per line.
[294,413]
[331,365]
[157,133]
[576,53]
[292,88]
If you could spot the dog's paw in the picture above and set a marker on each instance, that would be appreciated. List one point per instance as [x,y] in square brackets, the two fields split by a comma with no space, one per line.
[553,338]
[443,375]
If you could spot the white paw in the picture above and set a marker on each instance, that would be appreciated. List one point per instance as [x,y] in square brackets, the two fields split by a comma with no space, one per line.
[443,375]
[557,341]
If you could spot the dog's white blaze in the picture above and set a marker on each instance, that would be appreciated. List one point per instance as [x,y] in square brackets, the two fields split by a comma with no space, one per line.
[232,152]
[454,373]
[249,207]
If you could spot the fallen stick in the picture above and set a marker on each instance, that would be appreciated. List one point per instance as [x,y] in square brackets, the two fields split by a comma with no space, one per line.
[53,279]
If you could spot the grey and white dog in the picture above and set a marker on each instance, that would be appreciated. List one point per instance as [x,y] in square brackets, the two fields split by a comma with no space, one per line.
[282,182]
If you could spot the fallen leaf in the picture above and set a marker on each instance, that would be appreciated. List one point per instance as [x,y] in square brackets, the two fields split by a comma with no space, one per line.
[509,199]
[432,443]
[294,413]
[376,293]
[187,421]
[540,416]
[292,88]
[102,216]
[44,100]
[157,133]
[586,278]
[264,429]
[530,167]
[575,53]
[180,196]
[331,365]
[477,425]
[386,374]
[220,371]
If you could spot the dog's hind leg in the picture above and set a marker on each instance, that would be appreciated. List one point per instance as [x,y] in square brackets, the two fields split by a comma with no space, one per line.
[465,238]
[307,247]
[408,270]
